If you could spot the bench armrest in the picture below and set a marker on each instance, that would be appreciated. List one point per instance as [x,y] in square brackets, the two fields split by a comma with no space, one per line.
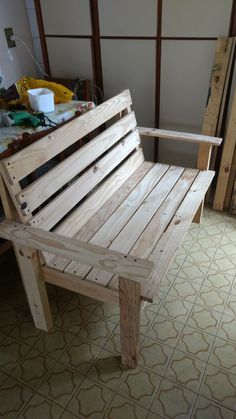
[115,262]
[180,136]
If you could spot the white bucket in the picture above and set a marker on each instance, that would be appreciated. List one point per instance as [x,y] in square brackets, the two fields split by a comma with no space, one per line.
[41,100]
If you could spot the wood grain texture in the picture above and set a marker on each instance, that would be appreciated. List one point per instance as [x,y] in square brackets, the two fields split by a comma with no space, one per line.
[179,136]
[27,160]
[226,160]
[67,199]
[32,277]
[129,295]
[45,186]
[230,184]
[87,253]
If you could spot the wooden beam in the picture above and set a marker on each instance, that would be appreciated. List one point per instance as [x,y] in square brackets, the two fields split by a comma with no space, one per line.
[129,294]
[179,136]
[105,259]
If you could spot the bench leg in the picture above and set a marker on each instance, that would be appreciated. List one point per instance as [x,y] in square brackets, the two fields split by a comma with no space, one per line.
[198,216]
[129,295]
[32,277]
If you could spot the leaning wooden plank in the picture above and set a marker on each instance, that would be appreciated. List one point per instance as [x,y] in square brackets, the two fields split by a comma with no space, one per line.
[233,200]
[30,158]
[66,200]
[76,284]
[230,184]
[102,212]
[226,160]
[179,136]
[109,230]
[108,260]
[141,234]
[174,234]
[44,187]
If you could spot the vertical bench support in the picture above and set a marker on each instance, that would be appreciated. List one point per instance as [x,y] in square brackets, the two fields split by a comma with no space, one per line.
[129,295]
[203,163]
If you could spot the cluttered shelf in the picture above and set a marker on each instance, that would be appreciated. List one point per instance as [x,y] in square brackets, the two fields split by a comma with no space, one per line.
[20,125]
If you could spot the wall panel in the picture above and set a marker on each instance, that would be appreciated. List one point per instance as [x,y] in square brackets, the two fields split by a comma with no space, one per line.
[131,64]
[128,18]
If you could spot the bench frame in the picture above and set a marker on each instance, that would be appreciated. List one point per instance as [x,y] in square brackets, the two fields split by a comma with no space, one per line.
[31,238]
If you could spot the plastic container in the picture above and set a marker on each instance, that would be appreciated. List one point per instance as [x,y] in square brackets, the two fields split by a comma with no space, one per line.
[41,100]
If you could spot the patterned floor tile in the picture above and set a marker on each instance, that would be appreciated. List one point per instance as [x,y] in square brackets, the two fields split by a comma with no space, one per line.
[87,303]
[177,309]
[166,330]
[3,377]
[9,318]
[185,370]
[175,266]
[227,328]
[13,397]
[195,342]
[109,311]
[219,279]
[219,386]
[40,407]
[54,342]
[186,289]
[97,330]
[152,415]
[107,370]
[71,318]
[224,263]
[192,271]
[230,308]
[146,319]
[154,356]
[173,401]
[91,400]
[165,285]
[212,298]
[204,319]
[206,409]
[185,248]
[122,408]
[224,355]
[202,257]
[157,302]
[26,332]
[60,384]
[11,353]
[80,355]
[206,243]
[140,385]
[33,368]
[113,343]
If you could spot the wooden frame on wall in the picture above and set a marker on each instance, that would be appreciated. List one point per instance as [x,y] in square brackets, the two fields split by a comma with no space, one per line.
[95,39]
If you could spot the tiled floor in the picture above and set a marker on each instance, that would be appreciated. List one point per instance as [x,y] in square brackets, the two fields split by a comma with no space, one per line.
[187,364]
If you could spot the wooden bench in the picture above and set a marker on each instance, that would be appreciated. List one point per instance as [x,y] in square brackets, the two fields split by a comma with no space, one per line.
[117,220]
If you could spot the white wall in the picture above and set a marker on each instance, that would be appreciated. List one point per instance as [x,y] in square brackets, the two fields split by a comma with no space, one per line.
[15,62]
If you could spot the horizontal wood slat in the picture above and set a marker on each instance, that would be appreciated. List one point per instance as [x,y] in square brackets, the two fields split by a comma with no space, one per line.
[179,136]
[108,260]
[66,200]
[100,208]
[30,158]
[45,186]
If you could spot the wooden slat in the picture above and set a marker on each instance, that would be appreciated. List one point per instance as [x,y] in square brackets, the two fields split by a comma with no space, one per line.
[101,212]
[226,160]
[143,231]
[29,159]
[66,200]
[87,253]
[44,187]
[76,284]
[230,185]
[174,234]
[119,218]
[179,136]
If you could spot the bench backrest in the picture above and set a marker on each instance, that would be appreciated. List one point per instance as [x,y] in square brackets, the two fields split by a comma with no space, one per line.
[70,187]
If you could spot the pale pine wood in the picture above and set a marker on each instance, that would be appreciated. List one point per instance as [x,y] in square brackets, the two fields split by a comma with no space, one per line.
[66,200]
[30,158]
[166,247]
[32,277]
[230,184]
[129,295]
[45,186]
[226,160]
[76,284]
[179,136]
[87,253]
[203,163]
[102,210]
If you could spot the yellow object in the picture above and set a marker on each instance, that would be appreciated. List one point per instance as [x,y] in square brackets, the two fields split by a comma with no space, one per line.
[62,94]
